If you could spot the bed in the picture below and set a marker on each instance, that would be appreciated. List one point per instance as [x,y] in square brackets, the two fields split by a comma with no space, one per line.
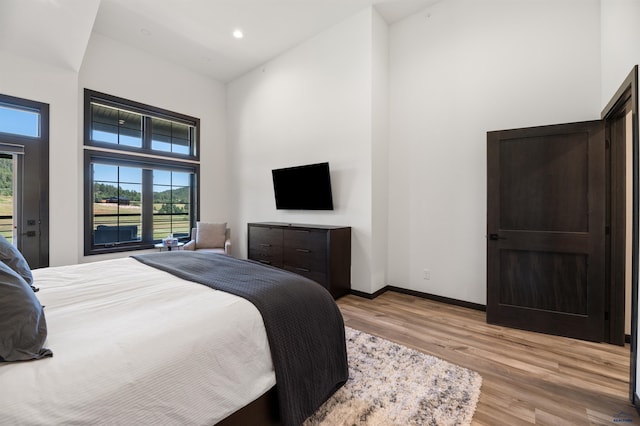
[135,344]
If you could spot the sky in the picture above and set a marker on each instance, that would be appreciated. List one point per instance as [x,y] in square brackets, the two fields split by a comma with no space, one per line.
[19,121]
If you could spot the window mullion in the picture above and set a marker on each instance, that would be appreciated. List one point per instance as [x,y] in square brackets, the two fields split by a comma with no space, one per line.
[118,187]
[193,199]
[147,205]
[146,133]
[192,137]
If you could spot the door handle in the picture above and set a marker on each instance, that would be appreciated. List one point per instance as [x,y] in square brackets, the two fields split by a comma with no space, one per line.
[496,237]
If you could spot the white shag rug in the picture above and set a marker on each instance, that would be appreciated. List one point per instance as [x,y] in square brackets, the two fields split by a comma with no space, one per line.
[390,384]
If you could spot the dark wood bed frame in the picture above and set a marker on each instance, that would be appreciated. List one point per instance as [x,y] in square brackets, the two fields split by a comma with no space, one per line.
[262,411]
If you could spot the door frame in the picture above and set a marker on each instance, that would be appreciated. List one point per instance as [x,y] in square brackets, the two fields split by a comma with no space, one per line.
[627,96]
[36,153]
[618,230]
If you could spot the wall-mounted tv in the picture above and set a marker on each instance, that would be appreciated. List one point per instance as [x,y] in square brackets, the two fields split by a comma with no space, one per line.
[305,187]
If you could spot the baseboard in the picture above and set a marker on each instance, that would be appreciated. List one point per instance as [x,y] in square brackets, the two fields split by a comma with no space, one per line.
[369,295]
[422,295]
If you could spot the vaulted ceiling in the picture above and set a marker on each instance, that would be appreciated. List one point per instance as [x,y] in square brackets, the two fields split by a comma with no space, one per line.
[196,34]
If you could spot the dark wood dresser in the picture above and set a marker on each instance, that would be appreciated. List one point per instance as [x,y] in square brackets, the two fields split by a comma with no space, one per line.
[319,252]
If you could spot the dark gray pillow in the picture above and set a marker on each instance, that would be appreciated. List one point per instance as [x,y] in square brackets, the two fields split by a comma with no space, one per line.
[23,328]
[12,257]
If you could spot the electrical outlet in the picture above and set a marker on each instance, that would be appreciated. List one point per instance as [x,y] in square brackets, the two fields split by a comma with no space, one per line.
[426,274]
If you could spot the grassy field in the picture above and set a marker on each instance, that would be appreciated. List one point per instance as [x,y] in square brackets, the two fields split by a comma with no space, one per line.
[6,205]
[6,209]
[163,224]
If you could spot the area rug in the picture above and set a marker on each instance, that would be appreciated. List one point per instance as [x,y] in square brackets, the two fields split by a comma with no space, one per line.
[390,384]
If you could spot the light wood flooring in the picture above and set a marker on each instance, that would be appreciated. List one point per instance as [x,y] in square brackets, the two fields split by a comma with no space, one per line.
[528,378]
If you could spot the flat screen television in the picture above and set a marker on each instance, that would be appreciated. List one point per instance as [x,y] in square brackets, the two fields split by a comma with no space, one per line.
[305,187]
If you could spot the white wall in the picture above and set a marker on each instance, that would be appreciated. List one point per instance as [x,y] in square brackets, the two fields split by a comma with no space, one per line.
[457,70]
[58,87]
[380,151]
[310,104]
[620,43]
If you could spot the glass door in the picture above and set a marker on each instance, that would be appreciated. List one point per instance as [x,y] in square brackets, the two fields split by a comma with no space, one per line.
[8,206]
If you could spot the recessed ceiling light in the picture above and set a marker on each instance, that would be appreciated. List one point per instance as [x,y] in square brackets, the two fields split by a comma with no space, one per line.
[238,33]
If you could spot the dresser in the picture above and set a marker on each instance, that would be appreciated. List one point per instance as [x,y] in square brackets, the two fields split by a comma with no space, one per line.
[321,253]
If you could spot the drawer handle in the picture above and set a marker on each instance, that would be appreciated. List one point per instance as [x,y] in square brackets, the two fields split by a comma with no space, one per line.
[264,261]
[303,250]
[265,245]
[302,269]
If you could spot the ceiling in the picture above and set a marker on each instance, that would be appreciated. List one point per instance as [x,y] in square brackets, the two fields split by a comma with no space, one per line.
[196,34]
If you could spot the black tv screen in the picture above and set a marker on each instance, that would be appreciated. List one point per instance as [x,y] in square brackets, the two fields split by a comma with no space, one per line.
[303,188]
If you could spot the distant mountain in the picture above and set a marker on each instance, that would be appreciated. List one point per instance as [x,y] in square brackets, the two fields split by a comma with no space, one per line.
[103,191]
[180,196]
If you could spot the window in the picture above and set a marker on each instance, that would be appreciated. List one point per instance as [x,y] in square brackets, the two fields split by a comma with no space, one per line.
[170,137]
[19,121]
[141,174]
[115,126]
[171,203]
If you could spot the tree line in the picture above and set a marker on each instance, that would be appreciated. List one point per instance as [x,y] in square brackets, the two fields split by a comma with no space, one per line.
[168,199]
[6,176]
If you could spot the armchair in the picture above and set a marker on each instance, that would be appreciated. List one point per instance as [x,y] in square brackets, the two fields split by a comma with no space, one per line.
[213,237]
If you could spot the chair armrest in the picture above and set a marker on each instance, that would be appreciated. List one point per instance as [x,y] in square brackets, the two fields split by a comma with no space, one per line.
[191,245]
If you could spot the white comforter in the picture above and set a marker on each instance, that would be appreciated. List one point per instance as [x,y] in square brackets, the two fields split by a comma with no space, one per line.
[134,345]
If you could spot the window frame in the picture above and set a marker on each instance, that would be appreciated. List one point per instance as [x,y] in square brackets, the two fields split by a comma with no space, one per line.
[148,112]
[145,158]
[17,104]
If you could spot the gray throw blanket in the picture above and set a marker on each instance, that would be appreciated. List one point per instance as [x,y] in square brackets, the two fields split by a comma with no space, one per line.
[303,323]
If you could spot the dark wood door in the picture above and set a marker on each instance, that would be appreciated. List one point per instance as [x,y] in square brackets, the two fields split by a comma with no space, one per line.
[33,226]
[546,208]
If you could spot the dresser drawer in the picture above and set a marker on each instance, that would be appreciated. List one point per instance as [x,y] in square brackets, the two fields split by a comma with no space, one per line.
[265,245]
[305,250]
[273,259]
[307,240]
[316,276]
[266,249]
[308,259]
[265,238]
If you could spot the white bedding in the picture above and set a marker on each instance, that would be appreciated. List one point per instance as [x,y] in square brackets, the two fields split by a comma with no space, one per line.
[135,345]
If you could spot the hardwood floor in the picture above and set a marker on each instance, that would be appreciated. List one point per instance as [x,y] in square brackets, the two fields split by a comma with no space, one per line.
[528,378]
